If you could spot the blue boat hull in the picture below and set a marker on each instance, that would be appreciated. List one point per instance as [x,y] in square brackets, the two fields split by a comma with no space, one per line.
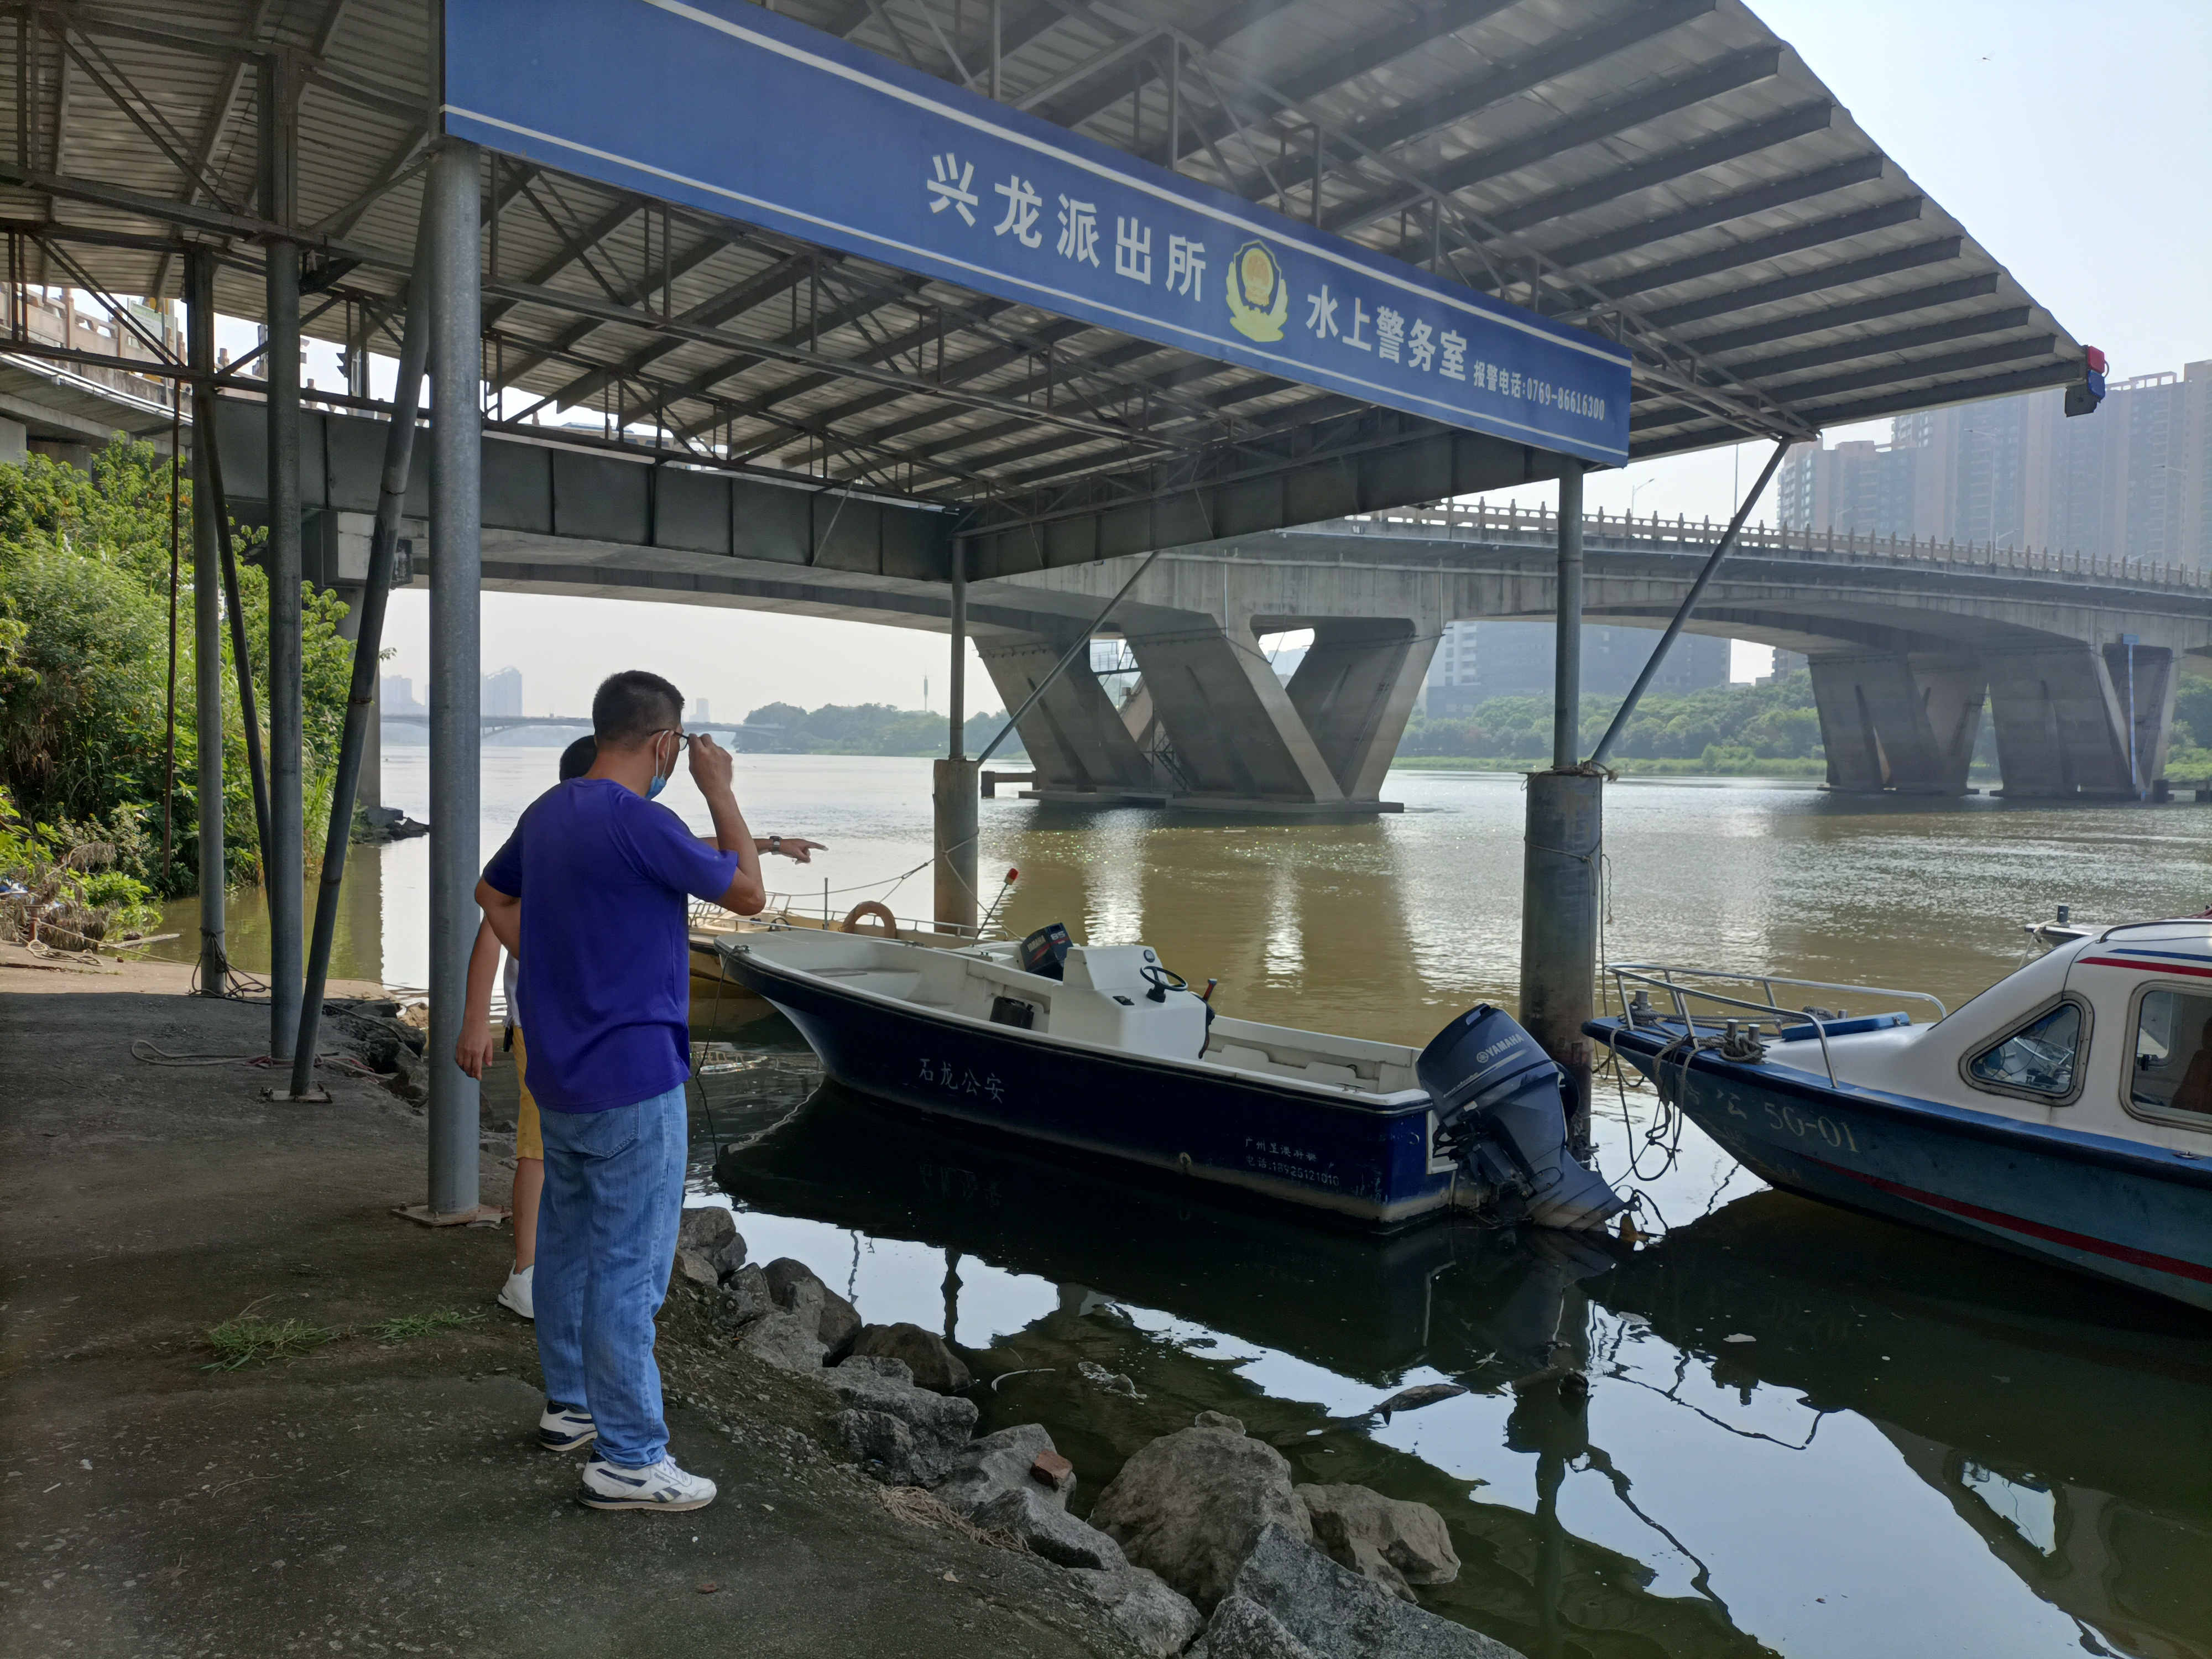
[2137,1214]
[1369,1164]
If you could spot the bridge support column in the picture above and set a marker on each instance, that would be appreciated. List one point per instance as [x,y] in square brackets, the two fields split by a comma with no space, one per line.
[1893,721]
[1076,740]
[1355,691]
[1236,733]
[2062,715]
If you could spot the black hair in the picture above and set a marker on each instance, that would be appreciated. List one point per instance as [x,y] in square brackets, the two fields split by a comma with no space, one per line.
[579,757]
[631,706]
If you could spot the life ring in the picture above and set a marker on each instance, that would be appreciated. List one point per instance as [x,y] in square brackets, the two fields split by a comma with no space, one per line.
[871,908]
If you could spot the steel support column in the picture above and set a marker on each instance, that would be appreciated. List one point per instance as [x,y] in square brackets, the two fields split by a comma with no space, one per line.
[207,627]
[954,796]
[361,706]
[455,303]
[1560,857]
[287,826]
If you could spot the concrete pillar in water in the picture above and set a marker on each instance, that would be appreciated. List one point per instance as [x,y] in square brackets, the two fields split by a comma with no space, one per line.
[287,824]
[2062,717]
[955,800]
[207,627]
[1560,855]
[1894,721]
[1075,738]
[954,781]
[456,580]
[1355,690]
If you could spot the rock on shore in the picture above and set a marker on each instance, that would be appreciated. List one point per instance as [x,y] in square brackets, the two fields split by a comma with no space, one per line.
[933,1362]
[902,1435]
[1287,1589]
[1395,1543]
[1191,1505]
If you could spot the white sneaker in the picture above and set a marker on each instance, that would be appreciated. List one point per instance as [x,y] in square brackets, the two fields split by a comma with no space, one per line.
[563,1428]
[515,1293]
[663,1486]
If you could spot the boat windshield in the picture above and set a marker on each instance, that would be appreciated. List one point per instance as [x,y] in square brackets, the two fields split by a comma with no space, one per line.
[2173,1055]
[2037,1059]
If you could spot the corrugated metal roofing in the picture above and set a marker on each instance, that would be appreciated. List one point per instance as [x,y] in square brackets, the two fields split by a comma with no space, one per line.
[1667,172]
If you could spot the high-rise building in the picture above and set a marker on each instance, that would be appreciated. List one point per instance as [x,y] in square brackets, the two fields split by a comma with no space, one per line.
[700,715]
[2134,480]
[395,694]
[502,692]
[1476,660]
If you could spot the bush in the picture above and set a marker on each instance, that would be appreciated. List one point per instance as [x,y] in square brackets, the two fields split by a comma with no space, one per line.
[84,596]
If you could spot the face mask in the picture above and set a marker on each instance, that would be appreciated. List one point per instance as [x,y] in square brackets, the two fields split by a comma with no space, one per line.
[660,780]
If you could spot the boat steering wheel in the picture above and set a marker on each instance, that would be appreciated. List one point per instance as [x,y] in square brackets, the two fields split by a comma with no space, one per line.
[1162,981]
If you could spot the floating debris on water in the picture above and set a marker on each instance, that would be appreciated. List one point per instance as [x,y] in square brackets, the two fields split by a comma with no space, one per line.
[1427,1394]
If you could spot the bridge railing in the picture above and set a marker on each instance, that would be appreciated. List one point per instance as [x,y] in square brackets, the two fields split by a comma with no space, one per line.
[1625,532]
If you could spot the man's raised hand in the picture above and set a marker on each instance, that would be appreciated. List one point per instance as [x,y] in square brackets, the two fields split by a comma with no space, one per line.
[711,766]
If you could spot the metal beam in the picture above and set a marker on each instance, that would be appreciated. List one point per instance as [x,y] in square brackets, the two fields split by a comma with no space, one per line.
[1829,317]
[1721,209]
[1818,233]
[278,98]
[1744,297]
[1413,121]
[1806,392]
[1626,712]
[734,300]
[207,630]
[1623,182]
[1876,345]
[1080,96]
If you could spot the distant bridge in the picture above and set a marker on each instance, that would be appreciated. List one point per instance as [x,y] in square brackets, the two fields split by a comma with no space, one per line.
[2075,659]
[754,739]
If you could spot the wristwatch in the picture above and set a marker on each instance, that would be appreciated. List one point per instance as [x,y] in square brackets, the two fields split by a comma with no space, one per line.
[775,843]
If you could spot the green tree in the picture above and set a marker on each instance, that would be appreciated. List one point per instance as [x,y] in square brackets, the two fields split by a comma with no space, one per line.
[84,596]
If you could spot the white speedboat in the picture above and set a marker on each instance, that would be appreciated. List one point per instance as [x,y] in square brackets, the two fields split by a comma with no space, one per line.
[1102,1051]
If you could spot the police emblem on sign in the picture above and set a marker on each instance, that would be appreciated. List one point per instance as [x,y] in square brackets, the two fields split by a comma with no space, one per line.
[1258,300]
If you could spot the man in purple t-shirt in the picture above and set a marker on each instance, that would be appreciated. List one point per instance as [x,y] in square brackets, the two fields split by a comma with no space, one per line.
[589,895]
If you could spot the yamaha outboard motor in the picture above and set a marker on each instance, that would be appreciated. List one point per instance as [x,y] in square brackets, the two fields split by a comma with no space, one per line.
[1045,952]
[1499,1102]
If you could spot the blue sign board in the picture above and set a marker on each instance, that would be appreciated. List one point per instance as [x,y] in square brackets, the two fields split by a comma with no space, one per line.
[729,107]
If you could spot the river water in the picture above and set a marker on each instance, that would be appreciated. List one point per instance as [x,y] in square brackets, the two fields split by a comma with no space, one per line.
[1922,1448]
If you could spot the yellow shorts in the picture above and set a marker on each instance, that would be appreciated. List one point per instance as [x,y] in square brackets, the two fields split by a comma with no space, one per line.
[527,1143]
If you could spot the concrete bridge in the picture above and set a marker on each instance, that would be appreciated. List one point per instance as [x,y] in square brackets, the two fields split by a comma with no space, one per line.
[2074,660]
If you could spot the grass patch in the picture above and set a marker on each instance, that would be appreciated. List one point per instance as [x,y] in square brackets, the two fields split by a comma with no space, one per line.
[249,1340]
[407,1327]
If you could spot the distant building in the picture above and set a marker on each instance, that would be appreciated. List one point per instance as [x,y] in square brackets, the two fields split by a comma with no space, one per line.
[1477,660]
[2134,480]
[395,694]
[502,692]
[700,715]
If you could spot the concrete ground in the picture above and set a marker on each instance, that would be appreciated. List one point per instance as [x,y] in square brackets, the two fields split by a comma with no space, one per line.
[382,1493]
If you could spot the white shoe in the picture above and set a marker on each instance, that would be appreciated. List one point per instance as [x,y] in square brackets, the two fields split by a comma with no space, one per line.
[515,1293]
[663,1486]
[563,1428]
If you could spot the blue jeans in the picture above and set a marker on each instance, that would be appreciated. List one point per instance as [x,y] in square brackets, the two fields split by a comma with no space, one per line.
[606,1240]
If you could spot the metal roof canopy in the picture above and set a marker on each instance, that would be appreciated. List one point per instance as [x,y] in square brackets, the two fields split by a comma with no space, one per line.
[1665,173]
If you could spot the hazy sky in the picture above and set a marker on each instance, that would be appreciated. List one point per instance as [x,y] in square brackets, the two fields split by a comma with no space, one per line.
[2070,141]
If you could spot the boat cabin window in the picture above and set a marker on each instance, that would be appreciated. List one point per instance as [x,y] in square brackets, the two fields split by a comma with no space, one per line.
[2038,1060]
[2173,1070]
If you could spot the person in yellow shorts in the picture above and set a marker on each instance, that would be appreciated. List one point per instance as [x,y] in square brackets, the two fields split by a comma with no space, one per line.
[474,1052]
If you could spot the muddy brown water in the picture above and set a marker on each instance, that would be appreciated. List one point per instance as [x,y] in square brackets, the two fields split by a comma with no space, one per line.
[1923,1447]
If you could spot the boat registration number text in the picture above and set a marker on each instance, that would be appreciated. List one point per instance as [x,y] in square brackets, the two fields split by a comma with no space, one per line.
[1804,1127]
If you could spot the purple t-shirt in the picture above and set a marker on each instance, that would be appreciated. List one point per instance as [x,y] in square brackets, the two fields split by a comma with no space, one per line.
[605,988]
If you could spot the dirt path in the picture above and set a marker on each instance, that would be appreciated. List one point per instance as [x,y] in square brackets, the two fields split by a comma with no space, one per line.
[380,1494]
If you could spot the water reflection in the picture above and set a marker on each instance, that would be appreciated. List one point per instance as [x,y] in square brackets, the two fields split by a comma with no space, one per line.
[1918,1450]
